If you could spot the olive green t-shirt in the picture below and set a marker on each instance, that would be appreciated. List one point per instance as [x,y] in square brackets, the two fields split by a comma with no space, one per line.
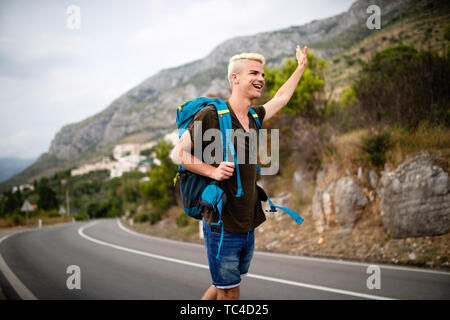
[245,213]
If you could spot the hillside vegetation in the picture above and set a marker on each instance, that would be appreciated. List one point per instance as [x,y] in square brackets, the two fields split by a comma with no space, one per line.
[381,99]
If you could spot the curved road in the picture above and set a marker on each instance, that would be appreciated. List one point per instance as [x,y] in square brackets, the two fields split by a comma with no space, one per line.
[117,263]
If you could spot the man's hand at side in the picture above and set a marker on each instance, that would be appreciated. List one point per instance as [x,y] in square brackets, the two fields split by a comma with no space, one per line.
[181,155]
[223,171]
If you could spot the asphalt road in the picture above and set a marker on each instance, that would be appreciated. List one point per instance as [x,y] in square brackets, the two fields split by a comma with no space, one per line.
[117,263]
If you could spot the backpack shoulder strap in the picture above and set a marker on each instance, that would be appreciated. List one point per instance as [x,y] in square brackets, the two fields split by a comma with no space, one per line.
[226,128]
[258,125]
[255,117]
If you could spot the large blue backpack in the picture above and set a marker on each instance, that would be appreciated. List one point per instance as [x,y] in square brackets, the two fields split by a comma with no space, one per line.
[198,191]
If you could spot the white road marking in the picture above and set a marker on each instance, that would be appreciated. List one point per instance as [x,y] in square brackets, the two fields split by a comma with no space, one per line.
[281,255]
[203,266]
[142,253]
[23,292]
[121,226]
[350,263]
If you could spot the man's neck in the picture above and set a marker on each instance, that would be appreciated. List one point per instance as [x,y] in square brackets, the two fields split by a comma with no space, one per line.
[239,104]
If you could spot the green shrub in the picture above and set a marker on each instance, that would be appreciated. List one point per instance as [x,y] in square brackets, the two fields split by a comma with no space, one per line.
[303,99]
[401,85]
[182,220]
[375,147]
[141,217]
[159,191]
[49,213]
[155,216]
[81,216]
[17,219]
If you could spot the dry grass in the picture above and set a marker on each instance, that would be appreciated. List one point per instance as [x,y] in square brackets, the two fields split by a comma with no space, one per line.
[348,146]
[435,140]
[368,241]
[33,222]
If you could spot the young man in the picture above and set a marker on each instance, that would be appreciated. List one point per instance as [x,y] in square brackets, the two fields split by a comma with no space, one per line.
[240,215]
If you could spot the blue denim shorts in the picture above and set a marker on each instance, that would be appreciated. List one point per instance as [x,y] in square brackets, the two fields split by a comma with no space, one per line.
[235,255]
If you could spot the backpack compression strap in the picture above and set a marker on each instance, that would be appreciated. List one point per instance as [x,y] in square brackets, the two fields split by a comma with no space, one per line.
[226,129]
[294,215]
[264,197]
[213,196]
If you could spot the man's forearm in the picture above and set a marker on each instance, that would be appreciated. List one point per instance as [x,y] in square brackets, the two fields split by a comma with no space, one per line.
[287,89]
[196,166]
[283,94]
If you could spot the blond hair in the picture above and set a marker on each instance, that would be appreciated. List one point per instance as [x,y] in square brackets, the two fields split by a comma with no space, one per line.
[237,62]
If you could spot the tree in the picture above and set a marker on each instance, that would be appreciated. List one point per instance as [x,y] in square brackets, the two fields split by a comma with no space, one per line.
[11,203]
[130,190]
[47,197]
[402,85]
[447,37]
[160,190]
[302,101]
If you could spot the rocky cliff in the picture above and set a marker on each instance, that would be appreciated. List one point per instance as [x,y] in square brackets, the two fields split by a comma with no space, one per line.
[147,110]
[151,104]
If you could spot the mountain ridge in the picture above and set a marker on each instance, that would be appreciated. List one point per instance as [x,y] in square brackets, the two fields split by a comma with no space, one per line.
[149,106]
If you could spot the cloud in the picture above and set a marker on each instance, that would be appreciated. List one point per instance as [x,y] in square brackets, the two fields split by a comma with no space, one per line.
[38,53]
[51,76]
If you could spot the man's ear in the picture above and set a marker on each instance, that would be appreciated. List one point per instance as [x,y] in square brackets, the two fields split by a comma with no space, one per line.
[235,78]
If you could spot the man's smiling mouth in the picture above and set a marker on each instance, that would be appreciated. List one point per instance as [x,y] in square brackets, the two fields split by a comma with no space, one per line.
[257,86]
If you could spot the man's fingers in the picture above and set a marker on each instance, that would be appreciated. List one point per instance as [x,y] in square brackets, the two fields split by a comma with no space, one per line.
[227,171]
[225,175]
[228,164]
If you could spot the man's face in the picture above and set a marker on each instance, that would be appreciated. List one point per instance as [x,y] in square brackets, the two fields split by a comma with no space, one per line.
[251,79]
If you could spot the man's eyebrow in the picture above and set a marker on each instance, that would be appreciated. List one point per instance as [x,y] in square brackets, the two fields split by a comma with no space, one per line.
[256,71]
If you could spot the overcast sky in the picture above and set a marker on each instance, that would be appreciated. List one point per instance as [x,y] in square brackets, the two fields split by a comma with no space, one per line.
[53,74]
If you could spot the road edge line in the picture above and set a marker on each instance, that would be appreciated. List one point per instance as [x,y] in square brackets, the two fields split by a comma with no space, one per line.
[250,275]
[295,257]
[156,238]
[22,291]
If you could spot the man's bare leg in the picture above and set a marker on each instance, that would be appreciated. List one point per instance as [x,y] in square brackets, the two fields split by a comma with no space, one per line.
[210,293]
[228,294]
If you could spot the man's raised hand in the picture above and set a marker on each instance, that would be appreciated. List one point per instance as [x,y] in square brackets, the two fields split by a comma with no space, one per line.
[302,57]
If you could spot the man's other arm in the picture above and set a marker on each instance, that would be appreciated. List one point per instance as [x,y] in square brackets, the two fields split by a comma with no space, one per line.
[181,155]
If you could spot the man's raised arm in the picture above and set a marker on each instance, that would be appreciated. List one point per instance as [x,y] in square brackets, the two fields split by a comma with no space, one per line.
[284,94]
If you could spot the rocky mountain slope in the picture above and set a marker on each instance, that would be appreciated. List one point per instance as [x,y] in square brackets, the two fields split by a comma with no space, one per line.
[149,107]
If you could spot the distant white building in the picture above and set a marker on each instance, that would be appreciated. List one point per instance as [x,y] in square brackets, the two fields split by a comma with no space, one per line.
[23,187]
[127,158]
[172,137]
[123,150]
[126,164]
[104,164]
[130,149]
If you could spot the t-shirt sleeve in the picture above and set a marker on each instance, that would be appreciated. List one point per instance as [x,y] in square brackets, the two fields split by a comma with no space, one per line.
[261,112]
[208,119]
